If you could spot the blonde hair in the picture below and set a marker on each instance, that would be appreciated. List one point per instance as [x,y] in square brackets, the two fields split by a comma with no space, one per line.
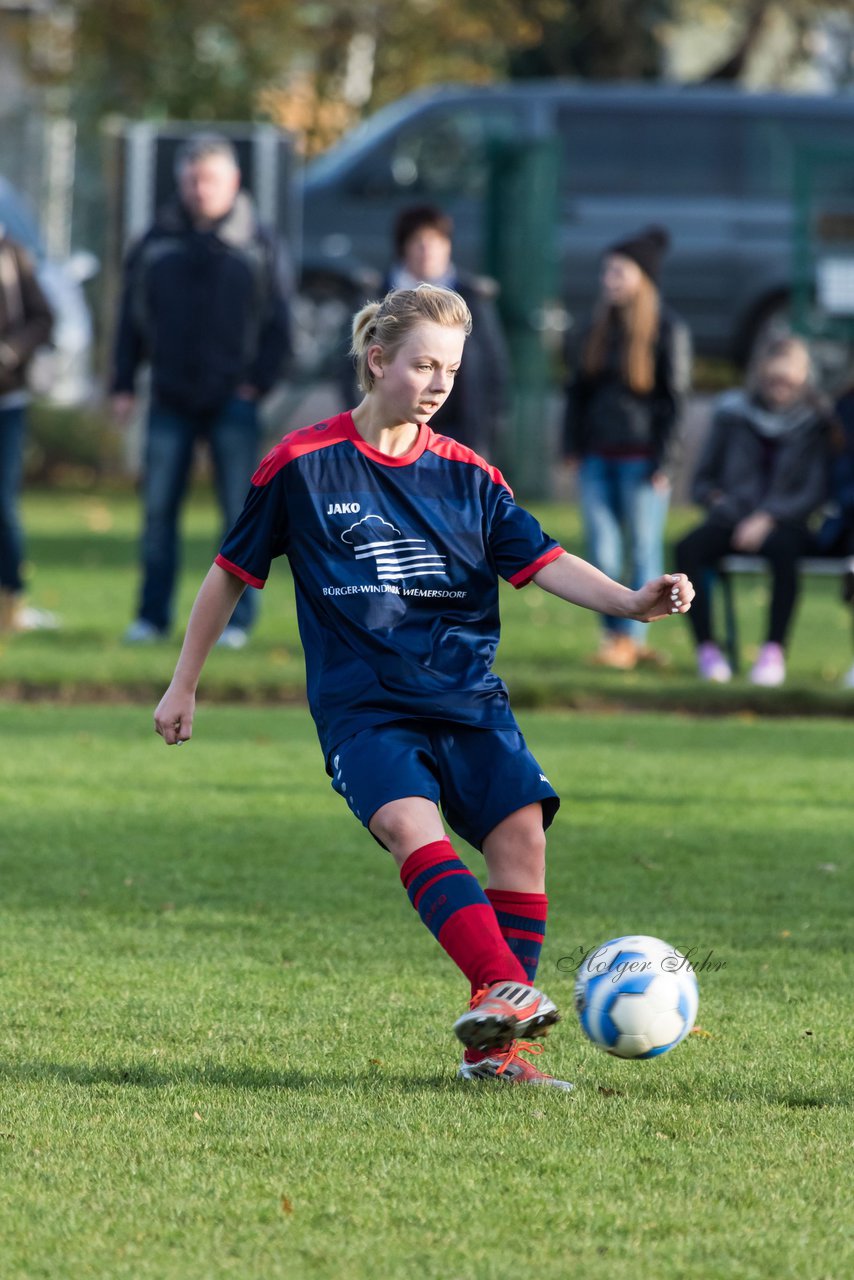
[640,322]
[387,324]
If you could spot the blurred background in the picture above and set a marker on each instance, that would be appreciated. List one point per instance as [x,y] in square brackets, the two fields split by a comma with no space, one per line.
[546,128]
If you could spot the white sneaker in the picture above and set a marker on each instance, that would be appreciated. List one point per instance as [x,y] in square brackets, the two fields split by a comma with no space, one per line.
[506,1065]
[233,638]
[712,665]
[848,679]
[142,632]
[769,669]
[30,619]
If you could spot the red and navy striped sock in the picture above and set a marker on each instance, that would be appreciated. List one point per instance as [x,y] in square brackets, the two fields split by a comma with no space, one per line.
[522,921]
[458,913]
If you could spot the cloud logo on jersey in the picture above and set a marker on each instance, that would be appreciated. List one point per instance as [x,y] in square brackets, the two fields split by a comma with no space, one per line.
[396,557]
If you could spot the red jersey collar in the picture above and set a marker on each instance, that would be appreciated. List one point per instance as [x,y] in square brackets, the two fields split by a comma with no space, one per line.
[402,460]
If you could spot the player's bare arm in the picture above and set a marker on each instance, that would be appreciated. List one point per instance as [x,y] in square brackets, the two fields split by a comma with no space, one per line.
[214,605]
[581,583]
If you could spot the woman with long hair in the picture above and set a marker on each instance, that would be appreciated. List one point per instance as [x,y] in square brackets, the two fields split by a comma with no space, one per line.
[622,413]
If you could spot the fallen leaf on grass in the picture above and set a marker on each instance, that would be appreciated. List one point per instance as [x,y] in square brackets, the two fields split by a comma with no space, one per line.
[611,1093]
[287,1206]
[196,1115]
[701,1031]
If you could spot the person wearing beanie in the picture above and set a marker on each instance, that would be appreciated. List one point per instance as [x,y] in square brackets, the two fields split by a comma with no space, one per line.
[623,405]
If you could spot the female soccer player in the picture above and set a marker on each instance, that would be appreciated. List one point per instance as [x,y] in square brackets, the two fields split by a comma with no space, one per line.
[396,538]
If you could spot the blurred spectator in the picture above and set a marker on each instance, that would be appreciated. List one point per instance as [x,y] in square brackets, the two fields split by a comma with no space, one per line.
[25,324]
[623,407]
[476,411]
[204,304]
[761,474]
[835,537]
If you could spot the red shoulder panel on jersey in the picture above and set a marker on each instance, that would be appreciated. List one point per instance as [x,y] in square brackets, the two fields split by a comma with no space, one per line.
[524,576]
[445,447]
[297,443]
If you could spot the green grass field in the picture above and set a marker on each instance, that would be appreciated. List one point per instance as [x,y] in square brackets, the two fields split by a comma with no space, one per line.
[225,1043]
[225,1046]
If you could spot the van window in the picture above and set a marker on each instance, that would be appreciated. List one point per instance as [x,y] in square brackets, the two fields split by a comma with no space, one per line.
[630,152]
[771,146]
[441,153]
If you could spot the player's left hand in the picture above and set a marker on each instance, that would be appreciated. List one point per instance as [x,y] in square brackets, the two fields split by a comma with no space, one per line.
[660,597]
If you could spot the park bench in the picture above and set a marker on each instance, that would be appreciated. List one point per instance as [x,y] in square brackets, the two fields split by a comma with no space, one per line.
[824,566]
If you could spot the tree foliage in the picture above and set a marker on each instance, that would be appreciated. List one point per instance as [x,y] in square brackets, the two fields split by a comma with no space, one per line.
[197,59]
[599,40]
[317,65]
[211,59]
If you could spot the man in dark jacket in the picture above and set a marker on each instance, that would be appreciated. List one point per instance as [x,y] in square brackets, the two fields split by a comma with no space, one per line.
[25,324]
[476,410]
[204,305]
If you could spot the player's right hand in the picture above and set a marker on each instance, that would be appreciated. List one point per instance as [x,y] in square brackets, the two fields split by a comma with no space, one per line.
[173,719]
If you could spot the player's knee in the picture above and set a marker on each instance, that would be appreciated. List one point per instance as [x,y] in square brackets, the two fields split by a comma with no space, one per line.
[532,854]
[518,847]
[399,829]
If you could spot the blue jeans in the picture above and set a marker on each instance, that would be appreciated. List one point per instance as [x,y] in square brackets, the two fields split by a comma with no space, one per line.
[12,428]
[234,437]
[624,518]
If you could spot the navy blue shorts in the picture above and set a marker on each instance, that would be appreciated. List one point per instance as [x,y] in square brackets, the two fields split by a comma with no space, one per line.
[477,776]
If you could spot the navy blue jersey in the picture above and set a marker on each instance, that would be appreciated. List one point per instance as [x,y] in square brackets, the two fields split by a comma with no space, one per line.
[396,564]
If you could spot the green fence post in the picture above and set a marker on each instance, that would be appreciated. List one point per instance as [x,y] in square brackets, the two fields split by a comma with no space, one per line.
[521,254]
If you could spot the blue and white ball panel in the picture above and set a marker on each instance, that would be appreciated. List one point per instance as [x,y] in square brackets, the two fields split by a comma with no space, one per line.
[632,1004]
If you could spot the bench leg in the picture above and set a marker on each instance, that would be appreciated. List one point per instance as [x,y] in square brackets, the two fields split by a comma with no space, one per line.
[727,598]
[731,646]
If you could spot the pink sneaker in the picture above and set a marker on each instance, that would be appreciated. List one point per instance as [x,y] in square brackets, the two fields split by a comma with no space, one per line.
[769,668]
[712,665]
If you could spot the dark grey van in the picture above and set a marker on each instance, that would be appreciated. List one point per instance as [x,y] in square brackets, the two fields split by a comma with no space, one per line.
[714,165]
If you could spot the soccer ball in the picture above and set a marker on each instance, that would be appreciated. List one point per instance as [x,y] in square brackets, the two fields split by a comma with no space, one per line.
[636,997]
